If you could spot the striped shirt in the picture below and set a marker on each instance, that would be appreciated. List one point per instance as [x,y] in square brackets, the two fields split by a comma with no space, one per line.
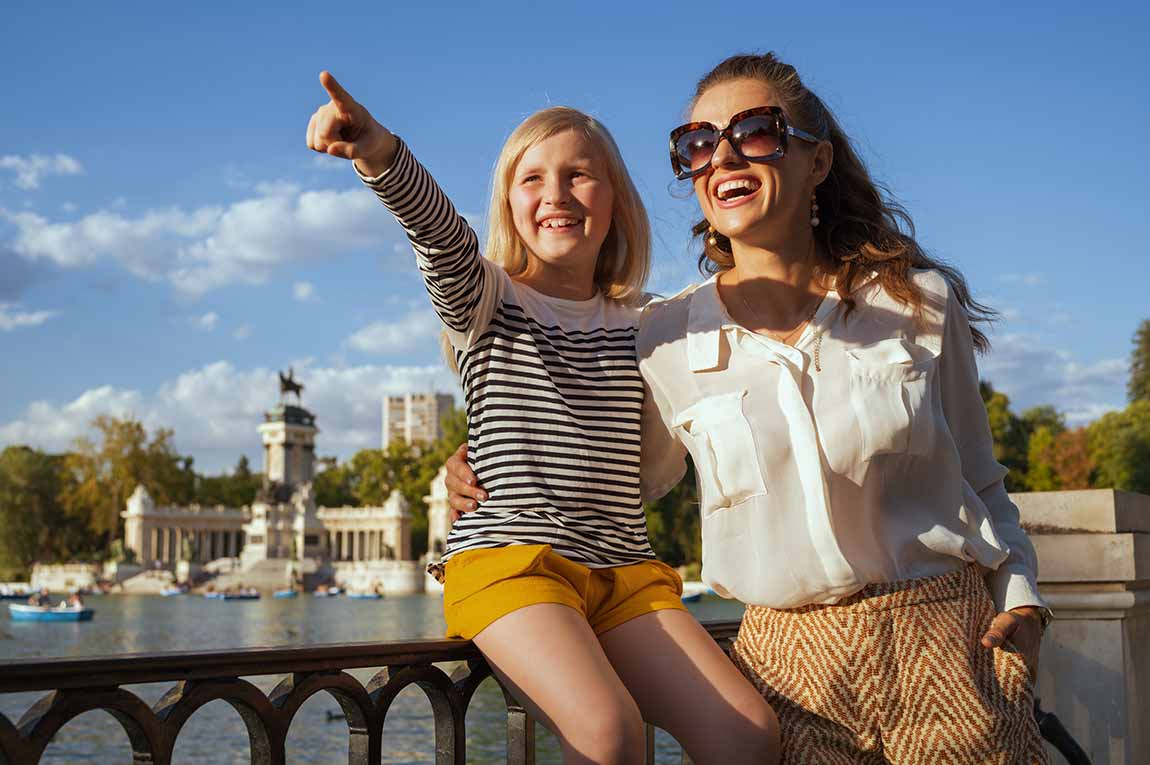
[552,388]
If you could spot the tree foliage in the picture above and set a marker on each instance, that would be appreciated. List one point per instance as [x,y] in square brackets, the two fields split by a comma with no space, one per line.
[1119,444]
[34,523]
[103,476]
[1138,387]
[674,525]
[235,489]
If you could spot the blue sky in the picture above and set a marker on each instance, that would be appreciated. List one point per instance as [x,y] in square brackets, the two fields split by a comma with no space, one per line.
[167,241]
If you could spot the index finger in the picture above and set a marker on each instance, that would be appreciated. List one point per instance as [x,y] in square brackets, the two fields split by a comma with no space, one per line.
[338,95]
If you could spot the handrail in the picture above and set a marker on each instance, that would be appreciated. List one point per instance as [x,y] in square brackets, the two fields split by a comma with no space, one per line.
[78,685]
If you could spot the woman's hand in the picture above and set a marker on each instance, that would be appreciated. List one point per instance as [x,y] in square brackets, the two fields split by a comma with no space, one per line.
[1022,627]
[463,491]
[344,128]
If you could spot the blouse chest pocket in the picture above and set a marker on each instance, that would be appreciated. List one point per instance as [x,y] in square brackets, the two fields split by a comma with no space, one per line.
[723,447]
[890,392]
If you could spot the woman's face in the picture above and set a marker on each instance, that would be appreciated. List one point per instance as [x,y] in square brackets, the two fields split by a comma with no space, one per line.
[752,203]
[562,201]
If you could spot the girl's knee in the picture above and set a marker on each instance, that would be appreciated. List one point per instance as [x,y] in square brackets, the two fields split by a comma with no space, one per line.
[609,734]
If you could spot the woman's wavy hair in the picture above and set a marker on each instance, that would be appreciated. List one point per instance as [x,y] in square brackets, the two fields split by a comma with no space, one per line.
[861,229]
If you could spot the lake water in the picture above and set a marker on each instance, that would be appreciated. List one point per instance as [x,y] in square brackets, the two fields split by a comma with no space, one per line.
[215,734]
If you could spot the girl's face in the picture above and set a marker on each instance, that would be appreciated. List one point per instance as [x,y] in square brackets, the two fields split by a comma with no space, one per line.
[562,201]
[758,204]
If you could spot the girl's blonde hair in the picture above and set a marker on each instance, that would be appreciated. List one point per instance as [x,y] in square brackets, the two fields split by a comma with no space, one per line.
[625,258]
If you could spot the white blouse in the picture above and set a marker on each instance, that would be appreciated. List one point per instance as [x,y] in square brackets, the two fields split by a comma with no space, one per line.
[861,454]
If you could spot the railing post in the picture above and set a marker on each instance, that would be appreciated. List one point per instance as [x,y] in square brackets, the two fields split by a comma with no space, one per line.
[520,735]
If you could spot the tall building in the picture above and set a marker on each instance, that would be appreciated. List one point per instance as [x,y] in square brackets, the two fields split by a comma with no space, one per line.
[414,417]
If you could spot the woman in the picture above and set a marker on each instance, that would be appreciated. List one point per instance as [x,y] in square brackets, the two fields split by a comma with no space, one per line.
[823,382]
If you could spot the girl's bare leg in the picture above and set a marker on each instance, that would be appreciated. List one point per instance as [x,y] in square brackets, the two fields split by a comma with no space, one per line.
[685,684]
[549,657]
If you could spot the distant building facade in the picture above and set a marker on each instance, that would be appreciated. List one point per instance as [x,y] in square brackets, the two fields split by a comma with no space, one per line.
[414,418]
[283,530]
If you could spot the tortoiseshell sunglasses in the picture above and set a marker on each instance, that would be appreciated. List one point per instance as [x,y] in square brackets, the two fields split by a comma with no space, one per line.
[756,135]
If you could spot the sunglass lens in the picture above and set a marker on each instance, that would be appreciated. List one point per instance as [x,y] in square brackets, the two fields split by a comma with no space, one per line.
[757,136]
[695,148]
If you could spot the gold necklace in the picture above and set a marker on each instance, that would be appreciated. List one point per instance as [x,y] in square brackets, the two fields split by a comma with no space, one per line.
[784,339]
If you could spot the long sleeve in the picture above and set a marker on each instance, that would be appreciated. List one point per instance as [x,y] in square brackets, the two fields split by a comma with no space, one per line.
[1014,582]
[464,287]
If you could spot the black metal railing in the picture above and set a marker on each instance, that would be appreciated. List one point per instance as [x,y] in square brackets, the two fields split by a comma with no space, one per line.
[76,686]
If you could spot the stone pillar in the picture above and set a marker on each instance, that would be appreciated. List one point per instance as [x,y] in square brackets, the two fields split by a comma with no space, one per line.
[1094,570]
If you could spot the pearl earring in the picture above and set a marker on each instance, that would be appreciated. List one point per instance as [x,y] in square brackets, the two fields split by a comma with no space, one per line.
[711,240]
[814,210]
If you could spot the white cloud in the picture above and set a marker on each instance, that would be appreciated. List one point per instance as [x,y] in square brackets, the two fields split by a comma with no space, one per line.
[207,322]
[415,330]
[304,292]
[215,410]
[11,317]
[31,169]
[211,247]
[242,332]
[1031,279]
[328,162]
[1033,373]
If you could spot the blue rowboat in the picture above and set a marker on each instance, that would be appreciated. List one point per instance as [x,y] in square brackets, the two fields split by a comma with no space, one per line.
[364,595]
[26,613]
[284,594]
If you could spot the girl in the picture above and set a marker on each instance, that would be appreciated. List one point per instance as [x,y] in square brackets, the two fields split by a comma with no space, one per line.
[554,579]
[824,384]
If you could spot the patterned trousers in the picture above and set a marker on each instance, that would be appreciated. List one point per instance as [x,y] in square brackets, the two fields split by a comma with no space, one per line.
[893,674]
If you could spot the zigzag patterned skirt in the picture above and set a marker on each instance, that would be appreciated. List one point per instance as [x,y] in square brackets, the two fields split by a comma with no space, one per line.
[893,674]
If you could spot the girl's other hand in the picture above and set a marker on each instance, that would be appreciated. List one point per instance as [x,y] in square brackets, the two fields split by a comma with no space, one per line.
[344,128]
[463,491]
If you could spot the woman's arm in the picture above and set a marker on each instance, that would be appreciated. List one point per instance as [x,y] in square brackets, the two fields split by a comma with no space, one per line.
[1014,584]
[464,288]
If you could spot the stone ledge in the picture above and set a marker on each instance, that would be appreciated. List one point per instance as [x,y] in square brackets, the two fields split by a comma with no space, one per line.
[1098,603]
[1087,511]
[1096,557]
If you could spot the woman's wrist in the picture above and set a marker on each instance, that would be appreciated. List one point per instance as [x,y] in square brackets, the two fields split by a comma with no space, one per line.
[1037,613]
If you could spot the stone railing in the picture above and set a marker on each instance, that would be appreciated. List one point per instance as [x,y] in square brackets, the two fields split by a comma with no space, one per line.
[1094,570]
[75,686]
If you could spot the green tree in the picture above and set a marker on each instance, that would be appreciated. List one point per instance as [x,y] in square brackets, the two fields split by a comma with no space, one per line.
[234,489]
[35,526]
[1010,436]
[1041,426]
[103,476]
[1042,417]
[333,484]
[1041,473]
[1119,445]
[674,525]
[1138,387]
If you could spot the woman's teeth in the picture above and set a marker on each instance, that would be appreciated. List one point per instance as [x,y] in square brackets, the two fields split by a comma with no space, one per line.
[736,188]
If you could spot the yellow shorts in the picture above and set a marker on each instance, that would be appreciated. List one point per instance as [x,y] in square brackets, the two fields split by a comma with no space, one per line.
[481,586]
